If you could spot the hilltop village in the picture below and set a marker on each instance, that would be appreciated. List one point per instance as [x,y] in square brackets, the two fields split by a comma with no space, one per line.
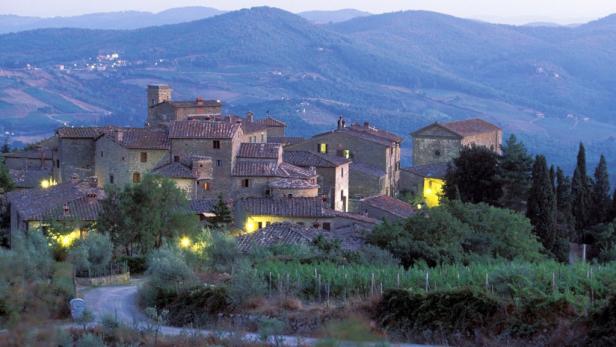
[346,179]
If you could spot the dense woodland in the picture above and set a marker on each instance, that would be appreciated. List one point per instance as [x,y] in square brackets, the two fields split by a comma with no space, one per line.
[489,266]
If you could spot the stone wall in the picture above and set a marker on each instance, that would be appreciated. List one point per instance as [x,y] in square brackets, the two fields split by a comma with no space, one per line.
[431,150]
[122,163]
[363,185]
[491,140]
[410,182]
[28,163]
[76,157]
[296,193]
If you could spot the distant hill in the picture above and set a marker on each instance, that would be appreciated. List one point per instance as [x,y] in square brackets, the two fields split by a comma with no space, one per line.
[327,17]
[554,86]
[107,20]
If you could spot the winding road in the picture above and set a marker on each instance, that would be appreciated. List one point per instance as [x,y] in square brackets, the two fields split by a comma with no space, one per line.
[120,302]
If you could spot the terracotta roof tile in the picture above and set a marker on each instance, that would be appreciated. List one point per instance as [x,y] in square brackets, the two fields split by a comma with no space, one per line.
[174,170]
[392,205]
[308,158]
[197,129]
[271,122]
[270,169]
[81,132]
[286,207]
[293,183]
[277,234]
[260,150]
[368,133]
[140,138]
[470,127]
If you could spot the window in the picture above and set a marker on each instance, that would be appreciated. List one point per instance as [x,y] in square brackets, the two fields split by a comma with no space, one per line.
[316,225]
[136,177]
[206,186]
[219,163]
[101,154]
[176,158]
[58,163]
[342,194]
[322,148]
[346,153]
[341,172]
[327,226]
[267,224]
[245,183]
[268,192]
[216,144]
[290,196]
[123,158]
[260,225]
[144,157]
[262,137]
[437,153]
[111,179]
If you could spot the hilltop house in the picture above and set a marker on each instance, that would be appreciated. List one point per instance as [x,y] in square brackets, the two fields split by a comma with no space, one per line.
[374,153]
[435,145]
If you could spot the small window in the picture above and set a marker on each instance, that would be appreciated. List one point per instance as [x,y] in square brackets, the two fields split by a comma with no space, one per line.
[260,225]
[327,226]
[144,157]
[342,194]
[245,183]
[346,153]
[437,153]
[316,225]
[322,148]
[216,144]
[268,192]
[262,138]
[219,163]
[341,172]
[290,196]
[136,177]
[101,154]
[206,186]
[58,163]
[111,179]
[267,224]
[123,159]
[176,158]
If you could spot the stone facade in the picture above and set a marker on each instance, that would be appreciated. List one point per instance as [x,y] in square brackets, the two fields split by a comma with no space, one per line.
[75,157]
[162,109]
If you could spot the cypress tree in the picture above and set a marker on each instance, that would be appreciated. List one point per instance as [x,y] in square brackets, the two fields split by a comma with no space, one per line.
[601,193]
[553,178]
[581,191]
[542,206]
[222,212]
[515,167]
[563,198]
[613,214]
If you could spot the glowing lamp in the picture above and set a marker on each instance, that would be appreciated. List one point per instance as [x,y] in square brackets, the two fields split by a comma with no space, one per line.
[185,242]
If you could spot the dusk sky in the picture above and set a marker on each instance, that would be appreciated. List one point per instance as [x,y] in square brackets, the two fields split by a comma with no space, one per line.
[518,11]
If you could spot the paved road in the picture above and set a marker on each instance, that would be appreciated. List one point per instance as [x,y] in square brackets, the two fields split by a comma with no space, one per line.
[121,302]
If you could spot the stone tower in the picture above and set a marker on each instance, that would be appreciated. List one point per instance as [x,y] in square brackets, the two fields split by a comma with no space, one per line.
[156,94]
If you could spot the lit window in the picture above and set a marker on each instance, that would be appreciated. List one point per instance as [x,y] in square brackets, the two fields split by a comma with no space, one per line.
[323,148]
[346,153]
[206,186]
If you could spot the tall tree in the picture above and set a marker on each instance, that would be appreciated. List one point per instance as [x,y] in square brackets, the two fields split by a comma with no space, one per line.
[514,171]
[563,198]
[223,213]
[613,210]
[582,197]
[542,207]
[601,193]
[553,178]
[473,176]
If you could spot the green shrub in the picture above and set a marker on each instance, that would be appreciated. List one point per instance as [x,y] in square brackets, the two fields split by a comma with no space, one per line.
[245,283]
[92,254]
[136,264]
[602,325]
[197,306]
[443,311]
[90,340]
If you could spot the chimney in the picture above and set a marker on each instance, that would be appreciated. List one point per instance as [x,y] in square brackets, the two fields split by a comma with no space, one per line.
[250,117]
[93,181]
[339,122]
[91,197]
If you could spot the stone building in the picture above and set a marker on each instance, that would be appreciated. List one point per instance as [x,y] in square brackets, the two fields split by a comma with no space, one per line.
[261,172]
[385,207]
[75,201]
[125,155]
[333,175]
[162,109]
[440,143]
[31,169]
[76,152]
[217,140]
[192,175]
[375,150]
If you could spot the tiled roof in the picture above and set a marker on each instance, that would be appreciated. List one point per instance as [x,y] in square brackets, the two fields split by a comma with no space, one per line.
[42,154]
[357,217]
[286,207]
[207,205]
[197,129]
[38,204]
[470,127]
[287,233]
[29,178]
[140,138]
[174,170]
[437,170]
[293,183]
[368,133]
[259,150]
[307,159]
[270,122]
[367,169]
[80,132]
[198,102]
[285,140]
[391,205]
[82,209]
[270,169]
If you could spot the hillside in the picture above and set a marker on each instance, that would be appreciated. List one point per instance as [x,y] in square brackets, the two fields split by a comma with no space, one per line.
[326,17]
[399,70]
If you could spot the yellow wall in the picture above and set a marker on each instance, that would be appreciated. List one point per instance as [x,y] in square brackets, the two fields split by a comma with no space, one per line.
[432,191]
[252,222]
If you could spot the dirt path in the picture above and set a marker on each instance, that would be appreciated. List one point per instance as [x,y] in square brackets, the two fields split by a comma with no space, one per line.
[121,302]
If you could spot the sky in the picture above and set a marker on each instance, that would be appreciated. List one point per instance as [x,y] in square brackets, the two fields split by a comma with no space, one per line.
[504,11]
